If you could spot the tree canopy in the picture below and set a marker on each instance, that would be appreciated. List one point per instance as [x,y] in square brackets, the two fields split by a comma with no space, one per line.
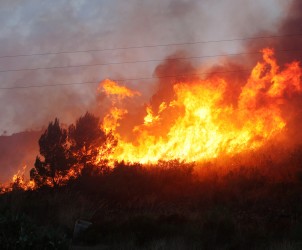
[85,138]
[65,150]
[55,152]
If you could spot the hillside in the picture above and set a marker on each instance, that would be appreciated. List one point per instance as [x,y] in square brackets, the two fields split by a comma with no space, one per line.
[17,150]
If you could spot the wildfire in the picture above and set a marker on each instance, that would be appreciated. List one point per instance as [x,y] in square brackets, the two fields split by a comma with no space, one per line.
[197,124]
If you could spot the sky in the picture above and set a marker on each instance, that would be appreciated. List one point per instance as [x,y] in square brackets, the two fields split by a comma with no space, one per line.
[42,26]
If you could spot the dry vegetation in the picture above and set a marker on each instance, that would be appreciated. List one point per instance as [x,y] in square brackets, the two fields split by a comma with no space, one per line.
[171,205]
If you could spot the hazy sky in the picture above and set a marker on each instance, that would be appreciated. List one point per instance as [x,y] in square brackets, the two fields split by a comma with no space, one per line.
[39,26]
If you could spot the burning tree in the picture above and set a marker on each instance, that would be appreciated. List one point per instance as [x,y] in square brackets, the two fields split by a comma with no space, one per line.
[67,153]
[56,163]
[86,138]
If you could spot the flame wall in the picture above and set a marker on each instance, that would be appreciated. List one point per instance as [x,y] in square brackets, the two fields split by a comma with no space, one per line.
[194,123]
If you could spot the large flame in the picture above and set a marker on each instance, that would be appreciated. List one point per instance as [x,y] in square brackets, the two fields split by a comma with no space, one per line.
[198,124]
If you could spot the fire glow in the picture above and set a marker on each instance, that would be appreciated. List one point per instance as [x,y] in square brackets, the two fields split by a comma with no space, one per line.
[197,124]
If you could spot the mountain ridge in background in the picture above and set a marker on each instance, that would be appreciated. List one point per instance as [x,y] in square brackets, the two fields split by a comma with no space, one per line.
[17,150]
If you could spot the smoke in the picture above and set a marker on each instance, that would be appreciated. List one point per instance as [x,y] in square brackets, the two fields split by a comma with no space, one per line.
[289,28]
[292,25]
[288,49]
[34,27]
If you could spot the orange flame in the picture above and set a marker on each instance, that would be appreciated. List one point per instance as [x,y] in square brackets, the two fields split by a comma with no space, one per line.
[198,125]
[112,88]
[19,181]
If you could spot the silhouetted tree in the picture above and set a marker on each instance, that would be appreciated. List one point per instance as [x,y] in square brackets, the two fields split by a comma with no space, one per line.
[54,149]
[86,137]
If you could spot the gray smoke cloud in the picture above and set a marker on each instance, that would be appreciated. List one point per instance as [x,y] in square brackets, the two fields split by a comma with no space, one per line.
[49,26]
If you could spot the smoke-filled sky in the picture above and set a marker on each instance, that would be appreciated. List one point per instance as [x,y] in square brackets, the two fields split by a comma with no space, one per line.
[36,26]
